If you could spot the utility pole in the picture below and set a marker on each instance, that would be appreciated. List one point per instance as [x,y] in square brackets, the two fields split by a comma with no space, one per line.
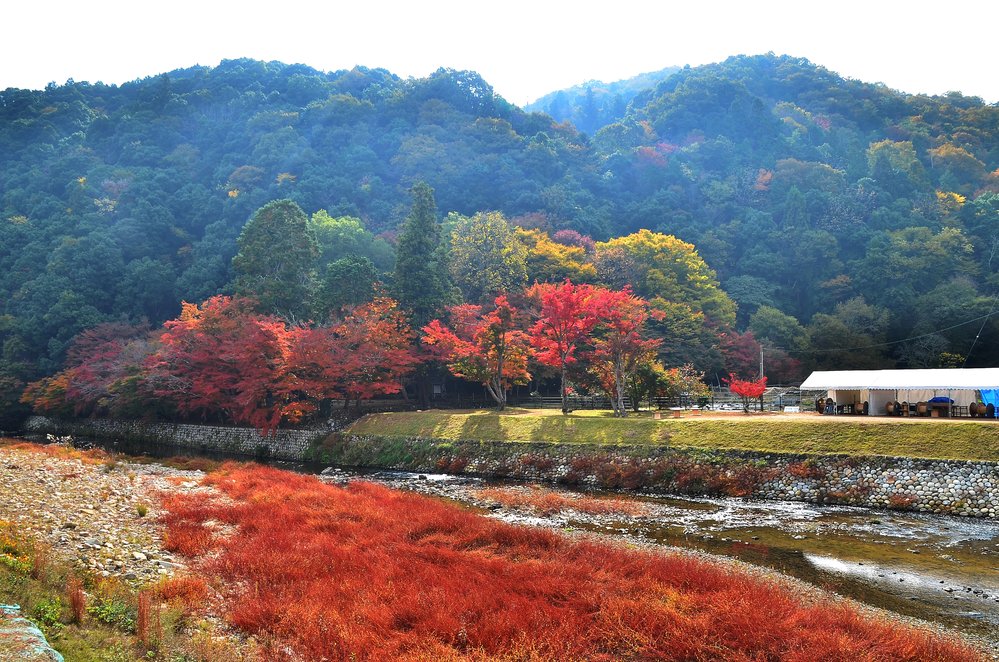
[761,361]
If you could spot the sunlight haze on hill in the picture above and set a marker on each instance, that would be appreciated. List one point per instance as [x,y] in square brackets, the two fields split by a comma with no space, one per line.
[523,49]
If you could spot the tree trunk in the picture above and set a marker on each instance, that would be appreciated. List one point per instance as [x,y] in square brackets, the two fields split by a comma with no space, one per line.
[500,391]
[619,388]
[497,393]
[565,396]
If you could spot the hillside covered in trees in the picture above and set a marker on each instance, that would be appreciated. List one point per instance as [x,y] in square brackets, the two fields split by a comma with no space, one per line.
[760,200]
[594,104]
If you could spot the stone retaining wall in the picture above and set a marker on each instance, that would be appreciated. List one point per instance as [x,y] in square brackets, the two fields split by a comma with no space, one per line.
[937,486]
[281,444]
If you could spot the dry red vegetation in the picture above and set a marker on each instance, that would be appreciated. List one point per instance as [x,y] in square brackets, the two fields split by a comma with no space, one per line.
[189,591]
[77,598]
[190,463]
[62,451]
[365,572]
[548,502]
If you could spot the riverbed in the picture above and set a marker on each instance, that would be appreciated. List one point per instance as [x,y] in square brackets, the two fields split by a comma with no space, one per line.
[936,568]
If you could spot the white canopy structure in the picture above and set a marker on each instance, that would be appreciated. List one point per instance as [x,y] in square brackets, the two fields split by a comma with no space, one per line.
[878,387]
[941,379]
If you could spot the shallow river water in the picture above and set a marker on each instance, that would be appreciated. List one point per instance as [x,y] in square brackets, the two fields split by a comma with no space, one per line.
[936,568]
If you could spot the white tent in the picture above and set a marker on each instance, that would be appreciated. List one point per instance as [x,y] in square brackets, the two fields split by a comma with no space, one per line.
[878,387]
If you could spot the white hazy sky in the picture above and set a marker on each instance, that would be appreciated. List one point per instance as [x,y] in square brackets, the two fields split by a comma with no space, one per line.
[523,48]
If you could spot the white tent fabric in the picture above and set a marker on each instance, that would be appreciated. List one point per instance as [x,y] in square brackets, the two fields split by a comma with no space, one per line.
[941,379]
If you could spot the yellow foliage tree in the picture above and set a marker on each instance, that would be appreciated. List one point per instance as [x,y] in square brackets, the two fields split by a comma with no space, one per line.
[551,262]
[661,266]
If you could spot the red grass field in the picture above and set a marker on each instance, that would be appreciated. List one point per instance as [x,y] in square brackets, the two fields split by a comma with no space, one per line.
[547,502]
[369,573]
[61,451]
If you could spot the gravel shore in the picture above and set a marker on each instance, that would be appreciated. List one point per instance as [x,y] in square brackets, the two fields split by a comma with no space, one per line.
[89,513]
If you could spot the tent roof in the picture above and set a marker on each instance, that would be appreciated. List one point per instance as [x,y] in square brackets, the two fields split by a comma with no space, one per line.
[942,379]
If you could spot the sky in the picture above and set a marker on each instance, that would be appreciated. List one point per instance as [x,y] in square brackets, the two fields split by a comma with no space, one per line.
[524,49]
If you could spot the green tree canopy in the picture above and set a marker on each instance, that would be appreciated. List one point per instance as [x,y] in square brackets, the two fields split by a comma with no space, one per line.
[421,282]
[486,259]
[275,264]
[349,281]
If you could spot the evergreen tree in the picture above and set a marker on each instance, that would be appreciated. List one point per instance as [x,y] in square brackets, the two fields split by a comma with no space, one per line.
[349,281]
[275,264]
[421,280]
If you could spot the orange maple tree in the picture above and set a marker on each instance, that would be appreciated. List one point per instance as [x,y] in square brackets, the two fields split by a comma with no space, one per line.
[367,352]
[221,356]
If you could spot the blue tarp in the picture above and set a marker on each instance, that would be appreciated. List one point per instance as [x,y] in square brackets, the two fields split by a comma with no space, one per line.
[940,398]
[991,397]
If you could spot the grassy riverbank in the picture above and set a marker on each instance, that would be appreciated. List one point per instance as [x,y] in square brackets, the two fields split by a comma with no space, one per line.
[810,434]
[364,572]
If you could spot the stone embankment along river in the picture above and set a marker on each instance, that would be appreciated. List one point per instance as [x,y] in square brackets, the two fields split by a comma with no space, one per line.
[937,486]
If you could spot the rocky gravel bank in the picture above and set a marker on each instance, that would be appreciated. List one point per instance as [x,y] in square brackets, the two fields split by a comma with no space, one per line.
[99,516]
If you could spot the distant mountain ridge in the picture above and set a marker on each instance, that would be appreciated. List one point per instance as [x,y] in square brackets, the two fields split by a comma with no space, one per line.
[836,213]
[594,104]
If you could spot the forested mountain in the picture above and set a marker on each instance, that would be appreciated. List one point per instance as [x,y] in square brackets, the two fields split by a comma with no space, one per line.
[867,215]
[838,215]
[592,105]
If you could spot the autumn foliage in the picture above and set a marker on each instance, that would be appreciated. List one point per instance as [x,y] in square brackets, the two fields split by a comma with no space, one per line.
[222,359]
[365,353]
[746,389]
[619,347]
[565,318]
[487,347]
[221,356]
[102,374]
[364,572]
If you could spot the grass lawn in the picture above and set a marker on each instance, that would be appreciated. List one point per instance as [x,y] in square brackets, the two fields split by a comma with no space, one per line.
[952,439]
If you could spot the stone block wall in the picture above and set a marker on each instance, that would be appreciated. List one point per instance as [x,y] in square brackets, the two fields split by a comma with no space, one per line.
[936,486]
[280,444]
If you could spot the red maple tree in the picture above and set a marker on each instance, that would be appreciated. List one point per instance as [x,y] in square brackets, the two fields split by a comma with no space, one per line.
[222,356]
[487,347]
[367,352]
[104,365]
[565,319]
[619,347]
[747,389]
[102,374]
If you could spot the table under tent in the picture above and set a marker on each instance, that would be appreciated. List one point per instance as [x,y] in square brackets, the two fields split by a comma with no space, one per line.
[924,392]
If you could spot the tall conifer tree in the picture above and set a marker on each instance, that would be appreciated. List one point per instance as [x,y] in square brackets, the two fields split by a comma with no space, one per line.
[421,283]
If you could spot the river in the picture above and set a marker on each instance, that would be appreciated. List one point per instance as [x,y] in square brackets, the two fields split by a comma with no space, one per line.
[936,568]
